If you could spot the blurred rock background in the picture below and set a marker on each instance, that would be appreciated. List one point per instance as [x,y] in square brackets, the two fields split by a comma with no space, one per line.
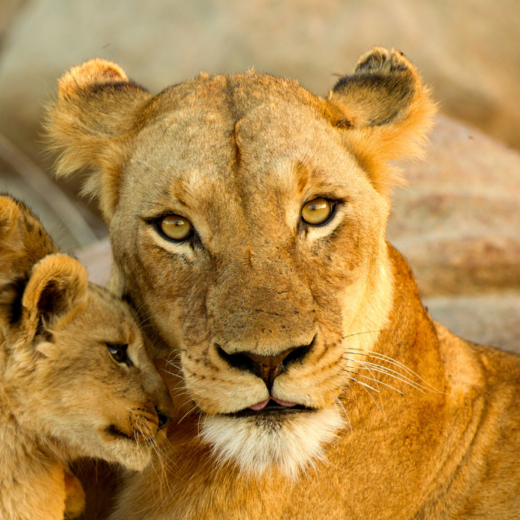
[458,220]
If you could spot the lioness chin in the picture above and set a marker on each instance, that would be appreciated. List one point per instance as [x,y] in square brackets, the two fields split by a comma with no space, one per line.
[247,220]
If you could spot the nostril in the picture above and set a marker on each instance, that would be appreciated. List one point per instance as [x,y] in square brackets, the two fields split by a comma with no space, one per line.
[163,418]
[239,361]
[265,367]
[297,354]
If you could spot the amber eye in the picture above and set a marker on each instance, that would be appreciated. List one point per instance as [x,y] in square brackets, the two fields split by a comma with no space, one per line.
[317,211]
[119,353]
[175,227]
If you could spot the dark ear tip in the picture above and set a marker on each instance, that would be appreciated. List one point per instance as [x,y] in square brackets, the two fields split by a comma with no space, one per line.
[372,60]
[380,60]
[379,64]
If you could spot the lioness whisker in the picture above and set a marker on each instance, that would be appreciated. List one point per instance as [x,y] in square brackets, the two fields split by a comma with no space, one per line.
[172,373]
[392,361]
[365,332]
[381,382]
[344,410]
[187,413]
[361,383]
[403,379]
[375,380]
[389,372]
[172,363]
[382,409]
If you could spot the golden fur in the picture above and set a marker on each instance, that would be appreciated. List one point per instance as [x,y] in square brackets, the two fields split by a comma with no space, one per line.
[62,395]
[397,418]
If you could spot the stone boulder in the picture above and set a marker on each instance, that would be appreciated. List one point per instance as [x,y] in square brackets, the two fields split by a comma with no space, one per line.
[458,218]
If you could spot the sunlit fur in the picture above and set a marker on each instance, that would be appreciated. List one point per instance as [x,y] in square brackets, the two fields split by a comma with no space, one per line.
[397,423]
[62,395]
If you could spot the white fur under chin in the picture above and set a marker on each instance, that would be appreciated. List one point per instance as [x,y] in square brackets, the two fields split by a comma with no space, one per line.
[258,443]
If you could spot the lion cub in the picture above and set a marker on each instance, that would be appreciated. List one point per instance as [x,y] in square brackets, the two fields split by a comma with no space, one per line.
[75,378]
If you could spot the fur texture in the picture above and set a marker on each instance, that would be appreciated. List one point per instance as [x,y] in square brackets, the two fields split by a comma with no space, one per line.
[394,417]
[62,394]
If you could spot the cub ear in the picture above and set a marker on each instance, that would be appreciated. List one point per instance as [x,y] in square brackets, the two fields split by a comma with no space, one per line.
[90,122]
[55,293]
[10,236]
[386,110]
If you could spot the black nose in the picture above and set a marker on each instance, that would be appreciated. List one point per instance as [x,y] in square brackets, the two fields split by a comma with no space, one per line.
[164,418]
[265,367]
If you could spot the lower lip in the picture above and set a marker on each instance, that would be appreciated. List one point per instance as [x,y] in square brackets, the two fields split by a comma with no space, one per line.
[274,410]
[263,404]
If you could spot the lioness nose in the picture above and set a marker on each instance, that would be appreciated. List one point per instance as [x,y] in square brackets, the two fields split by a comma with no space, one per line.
[265,367]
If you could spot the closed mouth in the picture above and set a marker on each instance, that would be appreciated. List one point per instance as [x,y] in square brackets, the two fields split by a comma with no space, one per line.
[271,408]
[114,432]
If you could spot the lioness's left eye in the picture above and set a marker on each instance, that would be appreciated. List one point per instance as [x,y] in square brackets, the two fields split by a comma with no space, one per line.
[317,211]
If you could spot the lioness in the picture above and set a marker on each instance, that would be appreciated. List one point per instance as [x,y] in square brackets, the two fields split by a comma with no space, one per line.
[75,378]
[247,219]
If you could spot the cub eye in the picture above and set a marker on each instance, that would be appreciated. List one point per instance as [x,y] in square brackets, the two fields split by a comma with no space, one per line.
[317,211]
[175,227]
[119,353]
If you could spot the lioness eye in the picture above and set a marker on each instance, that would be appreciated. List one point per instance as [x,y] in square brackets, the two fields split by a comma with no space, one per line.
[175,227]
[317,211]
[119,353]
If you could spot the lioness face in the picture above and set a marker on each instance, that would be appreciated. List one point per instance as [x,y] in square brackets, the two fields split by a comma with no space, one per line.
[253,279]
[250,233]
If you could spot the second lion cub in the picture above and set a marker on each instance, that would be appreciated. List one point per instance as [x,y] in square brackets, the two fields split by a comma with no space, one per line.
[75,378]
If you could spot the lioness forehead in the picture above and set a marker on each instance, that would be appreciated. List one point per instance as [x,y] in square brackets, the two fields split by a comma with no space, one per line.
[236,140]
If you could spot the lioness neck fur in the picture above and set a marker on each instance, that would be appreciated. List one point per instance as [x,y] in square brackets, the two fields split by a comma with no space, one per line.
[62,395]
[311,381]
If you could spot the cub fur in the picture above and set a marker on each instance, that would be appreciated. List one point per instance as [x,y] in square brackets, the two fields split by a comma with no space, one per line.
[248,224]
[75,379]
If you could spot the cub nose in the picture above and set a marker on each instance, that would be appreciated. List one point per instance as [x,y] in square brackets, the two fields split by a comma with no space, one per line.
[163,418]
[264,367]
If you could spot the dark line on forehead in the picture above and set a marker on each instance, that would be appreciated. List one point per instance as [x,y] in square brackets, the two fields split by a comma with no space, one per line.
[236,147]
[303,174]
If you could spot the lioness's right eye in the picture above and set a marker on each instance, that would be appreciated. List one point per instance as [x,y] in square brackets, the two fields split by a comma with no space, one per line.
[317,211]
[175,227]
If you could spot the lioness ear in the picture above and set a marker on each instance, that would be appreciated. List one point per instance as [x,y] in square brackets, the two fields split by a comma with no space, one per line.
[55,293]
[386,110]
[90,122]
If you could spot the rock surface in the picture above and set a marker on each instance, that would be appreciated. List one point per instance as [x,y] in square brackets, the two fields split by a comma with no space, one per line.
[492,319]
[458,219]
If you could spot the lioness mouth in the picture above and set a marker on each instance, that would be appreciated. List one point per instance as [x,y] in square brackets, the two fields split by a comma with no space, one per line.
[271,407]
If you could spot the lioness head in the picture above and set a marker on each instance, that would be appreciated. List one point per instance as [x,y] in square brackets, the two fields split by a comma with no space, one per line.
[247,218]
[74,366]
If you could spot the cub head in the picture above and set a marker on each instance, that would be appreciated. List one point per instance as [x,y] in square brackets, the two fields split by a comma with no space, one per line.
[247,219]
[75,366]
